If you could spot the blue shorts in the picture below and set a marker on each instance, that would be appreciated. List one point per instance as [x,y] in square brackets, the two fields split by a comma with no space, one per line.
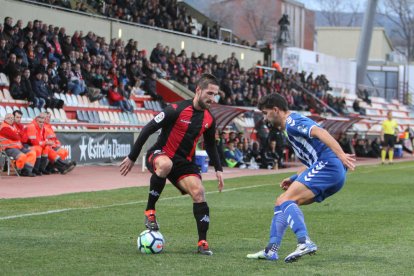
[324,178]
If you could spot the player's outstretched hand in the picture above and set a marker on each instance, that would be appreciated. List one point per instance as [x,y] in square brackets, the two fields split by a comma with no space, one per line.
[219,176]
[126,166]
[348,160]
[285,183]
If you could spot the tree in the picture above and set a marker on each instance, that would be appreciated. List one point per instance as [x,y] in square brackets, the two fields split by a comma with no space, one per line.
[339,12]
[401,13]
[258,17]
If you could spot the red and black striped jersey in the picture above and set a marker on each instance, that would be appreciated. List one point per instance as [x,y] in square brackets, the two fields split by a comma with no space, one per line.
[181,127]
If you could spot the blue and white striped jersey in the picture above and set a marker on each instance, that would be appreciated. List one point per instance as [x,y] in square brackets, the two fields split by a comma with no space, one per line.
[309,150]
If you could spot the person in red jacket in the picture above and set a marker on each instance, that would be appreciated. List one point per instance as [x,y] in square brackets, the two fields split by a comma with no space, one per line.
[10,143]
[36,133]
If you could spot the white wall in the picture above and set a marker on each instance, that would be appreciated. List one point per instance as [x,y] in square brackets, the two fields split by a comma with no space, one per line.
[341,73]
[147,38]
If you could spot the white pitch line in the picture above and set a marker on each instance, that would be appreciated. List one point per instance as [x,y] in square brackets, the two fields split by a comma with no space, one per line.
[122,204]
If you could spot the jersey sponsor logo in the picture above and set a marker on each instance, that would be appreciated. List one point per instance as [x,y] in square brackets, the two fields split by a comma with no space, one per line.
[185,121]
[159,117]
[205,218]
[315,170]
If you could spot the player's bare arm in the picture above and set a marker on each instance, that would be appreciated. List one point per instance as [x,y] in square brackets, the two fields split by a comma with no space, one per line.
[347,159]
[219,176]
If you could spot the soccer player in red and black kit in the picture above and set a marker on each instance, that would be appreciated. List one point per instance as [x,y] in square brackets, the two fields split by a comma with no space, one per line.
[171,156]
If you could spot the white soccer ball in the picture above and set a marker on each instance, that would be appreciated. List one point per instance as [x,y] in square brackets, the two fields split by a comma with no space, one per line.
[150,242]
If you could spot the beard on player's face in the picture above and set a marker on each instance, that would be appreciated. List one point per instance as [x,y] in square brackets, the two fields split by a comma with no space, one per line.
[204,100]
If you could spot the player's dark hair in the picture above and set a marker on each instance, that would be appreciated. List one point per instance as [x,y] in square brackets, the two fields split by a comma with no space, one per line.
[207,79]
[17,112]
[273,100]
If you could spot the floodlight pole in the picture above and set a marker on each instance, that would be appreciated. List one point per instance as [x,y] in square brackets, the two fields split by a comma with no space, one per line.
[365,42]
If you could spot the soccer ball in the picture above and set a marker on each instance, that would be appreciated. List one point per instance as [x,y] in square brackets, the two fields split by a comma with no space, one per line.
[150,242]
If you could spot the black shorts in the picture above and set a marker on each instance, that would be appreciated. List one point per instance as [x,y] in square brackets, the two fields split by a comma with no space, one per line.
[181,168]
[389,140]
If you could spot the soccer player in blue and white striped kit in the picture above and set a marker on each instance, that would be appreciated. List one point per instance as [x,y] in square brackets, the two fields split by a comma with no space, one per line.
[322,176]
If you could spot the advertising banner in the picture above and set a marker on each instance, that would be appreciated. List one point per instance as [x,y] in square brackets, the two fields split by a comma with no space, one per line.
[96,147]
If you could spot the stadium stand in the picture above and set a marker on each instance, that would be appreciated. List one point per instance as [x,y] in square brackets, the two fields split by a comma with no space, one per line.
[169,15]
[118,66]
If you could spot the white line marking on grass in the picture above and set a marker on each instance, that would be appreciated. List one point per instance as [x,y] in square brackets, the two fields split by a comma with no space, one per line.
[122,204]
[385,168]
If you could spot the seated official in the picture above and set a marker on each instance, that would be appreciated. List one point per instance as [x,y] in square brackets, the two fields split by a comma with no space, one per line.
[10,142]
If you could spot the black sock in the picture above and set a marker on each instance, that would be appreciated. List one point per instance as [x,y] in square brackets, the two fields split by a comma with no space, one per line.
[157,184]
[202,216]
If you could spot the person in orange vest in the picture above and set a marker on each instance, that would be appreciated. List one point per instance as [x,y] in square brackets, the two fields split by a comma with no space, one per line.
[276,66]
[259,69]
[24,139]
[10,142]
[36,133]
[50,135]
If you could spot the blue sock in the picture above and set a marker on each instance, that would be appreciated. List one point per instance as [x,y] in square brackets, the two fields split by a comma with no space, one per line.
[295,219]
[278,227]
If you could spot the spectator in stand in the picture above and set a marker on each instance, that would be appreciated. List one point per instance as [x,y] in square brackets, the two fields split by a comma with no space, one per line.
[76,83]
[234,158]
[345,144]
[42,91]
[364,95]
[361,148]
[357,107]
[67,47]
[254,153]
[19,50]
[26,87]
[376,148]
[220,144]
[57,49]
[10,142]
[64,76]
[136,89]
[150,86]
[157,53]
[3,53]
[11,69]
[270,157]
[276,66]
[276,134]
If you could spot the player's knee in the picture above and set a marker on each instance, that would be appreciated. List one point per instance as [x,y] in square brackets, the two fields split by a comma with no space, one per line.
[280,200]
[197,193]
[163,167]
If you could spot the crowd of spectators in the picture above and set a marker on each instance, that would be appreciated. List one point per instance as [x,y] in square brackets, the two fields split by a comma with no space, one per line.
[165,14]
[42,59]
[237,150]
[87,64]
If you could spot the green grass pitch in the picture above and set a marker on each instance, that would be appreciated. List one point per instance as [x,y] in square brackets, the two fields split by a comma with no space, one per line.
[365,229]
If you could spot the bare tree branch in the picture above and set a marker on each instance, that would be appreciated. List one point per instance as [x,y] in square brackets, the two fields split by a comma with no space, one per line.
[401,13]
